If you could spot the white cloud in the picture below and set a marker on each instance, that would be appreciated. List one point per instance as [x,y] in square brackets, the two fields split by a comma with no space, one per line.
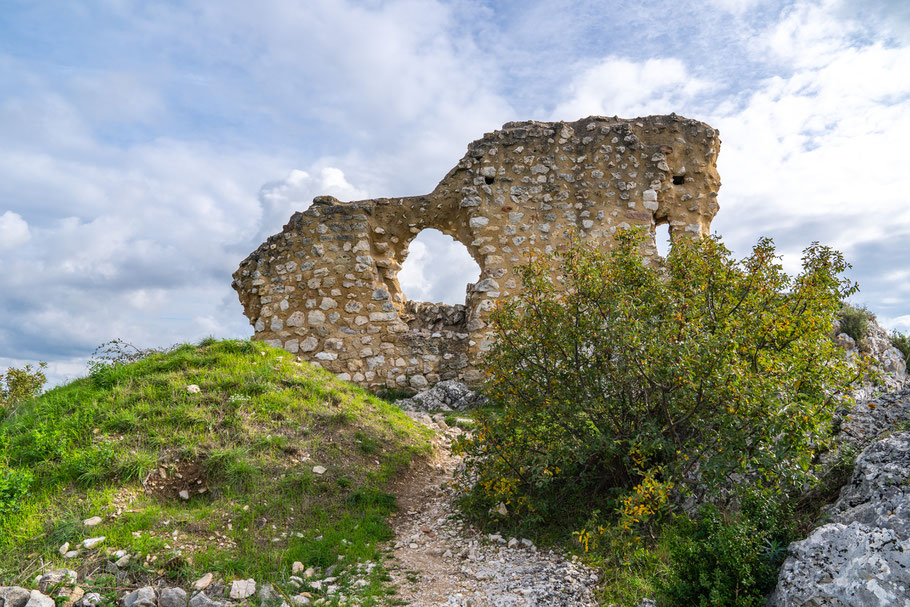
[810,34]
[281,199]
[737,7]
[899,323]
[824,147]
[619,86]
[438,269]
[13,230]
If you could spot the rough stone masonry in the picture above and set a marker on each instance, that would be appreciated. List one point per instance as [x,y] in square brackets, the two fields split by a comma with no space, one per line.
[326,287]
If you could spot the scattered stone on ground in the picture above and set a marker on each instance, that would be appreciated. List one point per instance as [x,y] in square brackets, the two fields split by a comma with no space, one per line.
[204,582]
[243,589]
[438,560]
[36,599]
[319,470]
[172,597]
[141,597]
[92,522]
[863,556]
[193,389]
[55,578]
[448,395]
[13,596]
[93,542]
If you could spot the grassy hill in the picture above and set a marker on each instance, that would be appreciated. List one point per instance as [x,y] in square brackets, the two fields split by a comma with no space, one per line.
[226,479]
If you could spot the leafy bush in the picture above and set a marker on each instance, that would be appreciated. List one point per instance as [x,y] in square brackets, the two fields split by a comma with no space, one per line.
[717,561]
[902,343]
[19,384]
[14,485]
[855,321]
[620,382]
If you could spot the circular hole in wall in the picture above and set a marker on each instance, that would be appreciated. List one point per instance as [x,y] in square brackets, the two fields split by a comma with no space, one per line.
[437,269]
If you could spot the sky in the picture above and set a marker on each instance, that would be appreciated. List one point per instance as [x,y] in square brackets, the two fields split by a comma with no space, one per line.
[147,147]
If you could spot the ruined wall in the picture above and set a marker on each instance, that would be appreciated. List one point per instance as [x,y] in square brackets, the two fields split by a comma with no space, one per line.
[326,287]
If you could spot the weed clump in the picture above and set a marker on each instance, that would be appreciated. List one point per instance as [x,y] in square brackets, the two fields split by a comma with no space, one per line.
[855,321]
[901,341]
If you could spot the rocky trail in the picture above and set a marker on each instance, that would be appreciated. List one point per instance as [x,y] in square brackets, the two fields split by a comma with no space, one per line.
[439,560]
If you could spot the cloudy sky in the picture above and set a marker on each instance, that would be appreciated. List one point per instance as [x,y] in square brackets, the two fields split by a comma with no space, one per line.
[147,147]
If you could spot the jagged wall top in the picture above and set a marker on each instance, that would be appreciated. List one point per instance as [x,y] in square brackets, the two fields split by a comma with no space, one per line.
[326,287]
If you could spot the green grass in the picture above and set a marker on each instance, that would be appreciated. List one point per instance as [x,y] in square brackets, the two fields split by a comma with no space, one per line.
[245,447]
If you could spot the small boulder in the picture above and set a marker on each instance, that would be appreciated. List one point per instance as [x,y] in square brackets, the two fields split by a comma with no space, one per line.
[36,599]
[91,599]
[200,600]
[92,522]
[193,389]
[243,589]
[13,596]
[172,597]
[142,597]
[57,577]
[93,542]
[202,583]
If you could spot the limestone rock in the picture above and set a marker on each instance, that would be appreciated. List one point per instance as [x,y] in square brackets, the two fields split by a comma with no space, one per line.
[327,286]
[172,597]
[243,589]
[91,599]
[846,565]
[57,577]
[863,557]
[93,542]
[445,396]
[204,582]
[878,494]
[92,522]
[37,599]
[13,596]
[201,600]
[141,597]
[867,419]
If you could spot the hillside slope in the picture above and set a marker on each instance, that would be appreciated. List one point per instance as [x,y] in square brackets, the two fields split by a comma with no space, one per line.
[229,457]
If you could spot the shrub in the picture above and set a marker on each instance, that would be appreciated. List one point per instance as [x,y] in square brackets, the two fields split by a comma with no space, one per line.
[14,485]
[619,382]
[19,384]
[716,561]
[855,321]
[902,343]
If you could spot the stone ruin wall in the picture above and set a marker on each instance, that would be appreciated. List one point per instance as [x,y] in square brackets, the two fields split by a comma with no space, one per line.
[326,287]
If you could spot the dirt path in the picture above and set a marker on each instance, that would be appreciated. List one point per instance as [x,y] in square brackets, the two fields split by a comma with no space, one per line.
[436,560]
